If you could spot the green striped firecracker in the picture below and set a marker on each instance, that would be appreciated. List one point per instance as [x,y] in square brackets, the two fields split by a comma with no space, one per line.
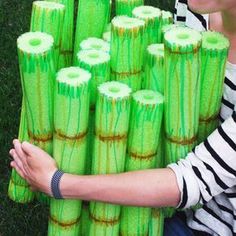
[143,139]
[36,60]
[69,142]
[126,51]
[154,68]
[66,48]
[125,7]
[182,90]
[48,17]
[92,19]
[152,17]
[111,130]
[214,53]
[95,44]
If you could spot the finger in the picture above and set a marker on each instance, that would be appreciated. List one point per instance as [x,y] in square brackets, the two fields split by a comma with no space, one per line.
[18,170]
[32,150]
[17,161]
[19,151]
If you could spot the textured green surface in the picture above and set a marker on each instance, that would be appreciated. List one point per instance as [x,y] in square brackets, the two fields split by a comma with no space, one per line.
[95,43]
[182,90]
[98,64]
[66,49]
[111,131]
[92,18]
[48,17]
[127,51]
[125,7]
[214,55]
[69,142]
[144,133]
[156,224]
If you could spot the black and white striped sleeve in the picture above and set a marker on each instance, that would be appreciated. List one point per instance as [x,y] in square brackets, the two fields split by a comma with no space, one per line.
[210,168]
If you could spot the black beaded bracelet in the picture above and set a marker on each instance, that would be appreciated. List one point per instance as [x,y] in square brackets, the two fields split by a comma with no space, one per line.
[55,184]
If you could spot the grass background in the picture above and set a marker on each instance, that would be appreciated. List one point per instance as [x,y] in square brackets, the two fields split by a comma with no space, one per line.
[18,219]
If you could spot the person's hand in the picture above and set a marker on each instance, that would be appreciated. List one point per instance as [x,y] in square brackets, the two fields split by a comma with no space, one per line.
[34,165]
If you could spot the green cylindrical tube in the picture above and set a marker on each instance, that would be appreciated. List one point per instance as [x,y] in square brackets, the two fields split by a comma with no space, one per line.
[69,142]
[166,28]
[48,17]
[111,130]
[125,7]
[156,224]
[152,17]
[95,44]
[36,59]
[98,64]
[92,18]
[154,68]
[182,90]
[166,19]
[66,48]
[143,139]
[214,55]
[107,34]
[126,51]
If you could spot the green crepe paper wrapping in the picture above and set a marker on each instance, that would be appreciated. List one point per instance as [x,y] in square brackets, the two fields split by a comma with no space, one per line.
[152,17]
[69,142]
[98,63]
[166,28]
[96,44]
[156,224]
[37,70]
[66,48]
[111,130]
[48,17]
[166,19]
[85,221]
[107,33]
[92,19]
[125,7]
[126,51]
[214,53]
[154,68]
[144,133]
[182,90]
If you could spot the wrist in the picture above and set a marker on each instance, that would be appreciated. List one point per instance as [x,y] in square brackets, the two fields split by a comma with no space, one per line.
[55,191]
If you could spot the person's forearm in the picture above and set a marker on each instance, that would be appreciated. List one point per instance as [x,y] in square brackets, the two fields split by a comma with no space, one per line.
[156,187]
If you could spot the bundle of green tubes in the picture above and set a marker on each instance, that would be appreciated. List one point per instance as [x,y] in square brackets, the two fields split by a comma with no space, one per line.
[127,51]
[95,44]
[111,131]
[92,18]
[182,90]
[214,53]
[125,7]
[36,60]
[48,17]
[152,17]
[66,44]
[143,139]
[154,68]
[71,113]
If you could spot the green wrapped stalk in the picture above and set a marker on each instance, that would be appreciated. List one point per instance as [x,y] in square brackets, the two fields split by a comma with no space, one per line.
[66,48]
[152,17]
[125,7]
[214,56]
[166,19]
[182,90]
[107,36]
[95,43]
[36,59]
[154,68]
[98,63]
[18,189]
[48,17]
[166,28]
[126,51]
[111,130]
[156,224]
[85,221]
[69,143]
[144,133]
[92,19]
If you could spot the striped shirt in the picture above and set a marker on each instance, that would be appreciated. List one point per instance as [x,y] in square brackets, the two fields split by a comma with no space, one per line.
[208,174]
